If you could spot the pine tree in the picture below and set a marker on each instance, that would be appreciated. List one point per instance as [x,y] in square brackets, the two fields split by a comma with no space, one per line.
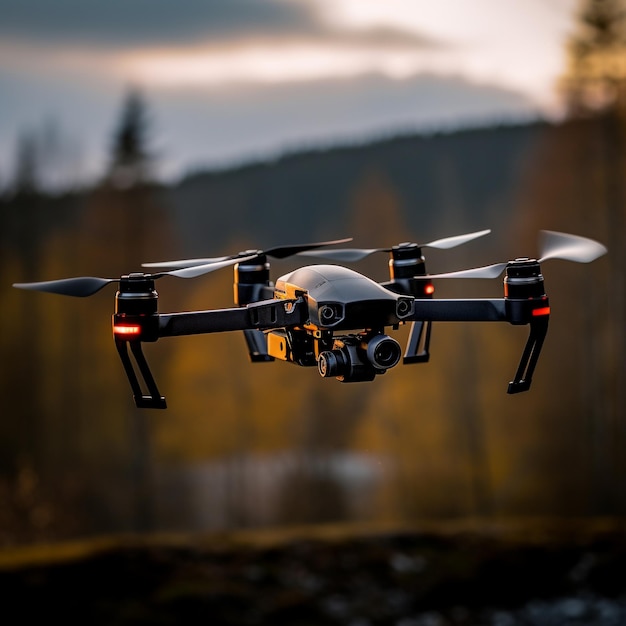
[131,162]
[26,175]
[596,75]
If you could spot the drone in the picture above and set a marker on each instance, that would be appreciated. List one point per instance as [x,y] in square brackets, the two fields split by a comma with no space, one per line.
[330,316]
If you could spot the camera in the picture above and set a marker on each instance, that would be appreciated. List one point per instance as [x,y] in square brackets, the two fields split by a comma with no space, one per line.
[359,358]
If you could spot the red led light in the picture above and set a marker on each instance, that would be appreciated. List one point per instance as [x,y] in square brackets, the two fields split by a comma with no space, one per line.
[544,310]
[121,329]
[429,289]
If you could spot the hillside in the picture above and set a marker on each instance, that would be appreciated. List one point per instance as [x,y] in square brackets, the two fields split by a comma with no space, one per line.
[453,181]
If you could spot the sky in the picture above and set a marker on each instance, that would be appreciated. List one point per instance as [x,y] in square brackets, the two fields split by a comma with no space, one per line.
[231,81]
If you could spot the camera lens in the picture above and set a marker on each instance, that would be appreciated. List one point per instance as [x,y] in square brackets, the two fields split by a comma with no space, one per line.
[383,352]
[330,363]
[327,313]
[403,307]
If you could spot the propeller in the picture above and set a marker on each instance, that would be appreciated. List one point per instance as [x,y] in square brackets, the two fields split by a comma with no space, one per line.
[82,286]
[357,254]
[277,252]
[553,245]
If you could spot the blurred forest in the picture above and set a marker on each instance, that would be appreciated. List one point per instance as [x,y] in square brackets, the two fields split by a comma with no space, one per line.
[253,444]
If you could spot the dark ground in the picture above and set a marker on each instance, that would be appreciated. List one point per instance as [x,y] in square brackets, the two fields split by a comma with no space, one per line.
[461,574]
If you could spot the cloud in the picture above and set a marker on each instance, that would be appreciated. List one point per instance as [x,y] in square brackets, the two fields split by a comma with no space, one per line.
[209,42]
[276,62]
[202,41]
[137,23]
[132,22]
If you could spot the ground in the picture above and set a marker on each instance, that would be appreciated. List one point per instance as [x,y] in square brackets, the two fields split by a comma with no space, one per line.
[530,573]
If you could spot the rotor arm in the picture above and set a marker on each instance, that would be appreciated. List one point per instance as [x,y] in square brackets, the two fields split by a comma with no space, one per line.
[473,310]
[532,311]
[130,330]
[254,316]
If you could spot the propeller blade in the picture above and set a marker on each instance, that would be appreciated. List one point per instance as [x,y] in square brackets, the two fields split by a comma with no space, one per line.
[80,286]
[345,255]
[487,271]
[457,240]
[555,245]
[88,285]
[282,252]
[199,270]
[357,254]
[185,262]
[277,252]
